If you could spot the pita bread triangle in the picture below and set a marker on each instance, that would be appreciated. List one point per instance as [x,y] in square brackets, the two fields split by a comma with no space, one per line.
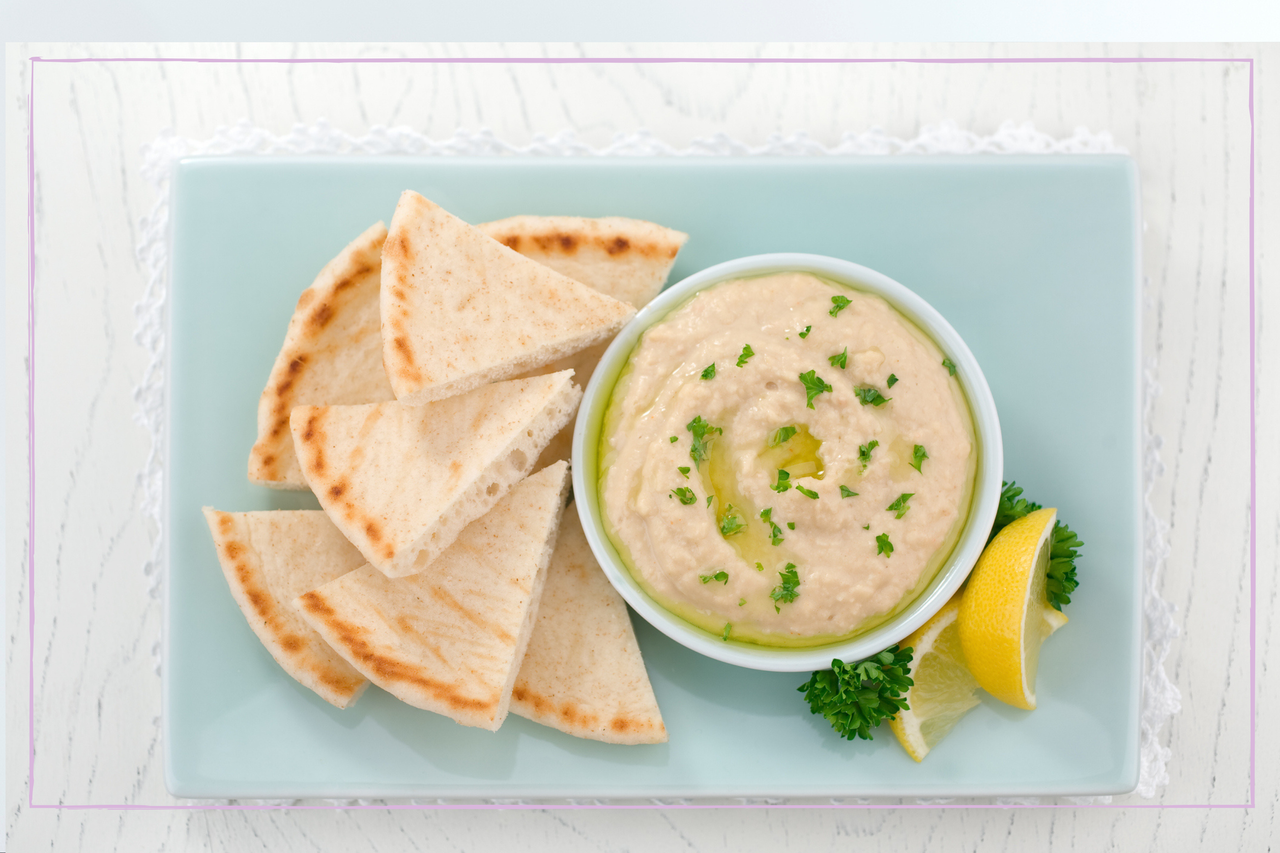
[627,259]
[459,309]
[332,355]
[583,673]
[450,639]
[401,482]
[269,559]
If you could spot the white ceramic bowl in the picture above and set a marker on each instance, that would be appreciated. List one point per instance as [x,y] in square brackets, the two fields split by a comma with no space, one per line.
[986,493]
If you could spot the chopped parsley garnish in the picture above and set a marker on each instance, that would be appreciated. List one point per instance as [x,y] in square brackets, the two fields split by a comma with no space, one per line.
[731,522]
[805,333]
[900,505]
[870,396]
[866,527]
[787,591]
[709,372]
[728,626]
[775,532]
[864,452]
[839,360]
[747,352]
[684,469]
[781,435]
[686,495]
[838,304]
[1061,580]
[741,601]
[674,439]
[893,380]
[884,546]
[813,386]
[917,458]
[951,368]
[702,432]
[808,493]
[709,497]
[759,567]
[721,576]
[856,697]
[784,482]
[846,492]
[791,525]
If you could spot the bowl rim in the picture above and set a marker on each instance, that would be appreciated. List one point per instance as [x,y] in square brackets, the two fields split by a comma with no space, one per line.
[950,576]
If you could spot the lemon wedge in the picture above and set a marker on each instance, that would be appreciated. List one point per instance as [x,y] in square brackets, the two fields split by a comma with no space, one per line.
[944,689]
[1004,614]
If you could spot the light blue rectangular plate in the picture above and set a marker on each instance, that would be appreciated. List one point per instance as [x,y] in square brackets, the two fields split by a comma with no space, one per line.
[1034,261]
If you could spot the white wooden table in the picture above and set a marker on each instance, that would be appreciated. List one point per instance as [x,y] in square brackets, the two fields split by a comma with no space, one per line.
[96,700]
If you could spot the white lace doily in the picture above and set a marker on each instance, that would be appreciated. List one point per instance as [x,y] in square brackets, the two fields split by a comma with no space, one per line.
[1160,698]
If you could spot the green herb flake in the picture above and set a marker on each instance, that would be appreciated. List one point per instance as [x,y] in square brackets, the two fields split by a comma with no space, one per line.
[917,458]
[893,380]
[864,452]
[840,360]
[813,386]
[838,304]
[727,628]
[869,396]
[674,439]
[808,493]
[781,435]
[775,532]
[684,469]
[846,492]
[747,352]
[856,697]
[731,522]
[721,576]
[741,601]
[805,333]
[791,525]
[900,505]
[759,567]
[784,482]
[709,372]
[787,591]
[702,431]
[866,527]
[709,497]
[884,546]
[949,365]
[686,495]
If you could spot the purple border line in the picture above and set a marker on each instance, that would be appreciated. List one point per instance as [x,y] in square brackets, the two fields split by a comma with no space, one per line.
[31,489]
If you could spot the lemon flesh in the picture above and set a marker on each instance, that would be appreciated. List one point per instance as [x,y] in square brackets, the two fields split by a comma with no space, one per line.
[1004,613]
[944,690]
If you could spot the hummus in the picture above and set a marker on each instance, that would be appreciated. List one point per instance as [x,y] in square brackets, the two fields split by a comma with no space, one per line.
[785,460]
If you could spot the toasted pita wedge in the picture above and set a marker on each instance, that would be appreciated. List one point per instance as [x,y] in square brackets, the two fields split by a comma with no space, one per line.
[269,559]
[332,355]
[450,639]
[628,259]
[402,481]
[583,673]
[459,309]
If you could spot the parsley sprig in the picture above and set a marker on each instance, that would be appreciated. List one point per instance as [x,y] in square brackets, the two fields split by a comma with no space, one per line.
[731,522]
[747,352]
[775,532]
[838,304]
[721,576]
[856,697]
[900,505]
[702,432]
[1061,581]
[787,591]
[686,495]
[781,435]
[813,386]
[869,396]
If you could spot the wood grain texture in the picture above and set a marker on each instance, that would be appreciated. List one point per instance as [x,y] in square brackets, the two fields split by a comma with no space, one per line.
[97,695]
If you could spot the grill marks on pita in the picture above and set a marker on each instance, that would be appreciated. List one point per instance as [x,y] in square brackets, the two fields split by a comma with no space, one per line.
[451,639]
[583,673]
[332,355]
[460,309]
[401,482]
[270,558]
